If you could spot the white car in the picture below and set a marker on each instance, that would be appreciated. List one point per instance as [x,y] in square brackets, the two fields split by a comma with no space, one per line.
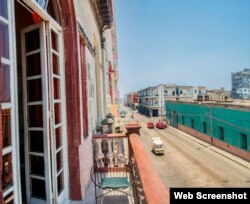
[157,146]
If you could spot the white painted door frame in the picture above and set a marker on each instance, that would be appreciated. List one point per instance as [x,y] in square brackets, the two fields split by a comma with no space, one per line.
[48,102]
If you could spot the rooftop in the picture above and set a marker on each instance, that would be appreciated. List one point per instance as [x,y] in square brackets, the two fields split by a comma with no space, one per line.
[235,102]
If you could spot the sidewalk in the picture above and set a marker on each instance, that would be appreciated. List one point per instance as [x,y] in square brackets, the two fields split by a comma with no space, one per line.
[215,149]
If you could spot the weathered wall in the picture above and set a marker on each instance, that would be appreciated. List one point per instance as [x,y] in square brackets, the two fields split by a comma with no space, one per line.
[195,133]
[78,147]
[226,125]
[216,142]
[86,17]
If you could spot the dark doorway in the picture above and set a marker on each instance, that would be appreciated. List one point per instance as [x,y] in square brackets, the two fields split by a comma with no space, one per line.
[23,19]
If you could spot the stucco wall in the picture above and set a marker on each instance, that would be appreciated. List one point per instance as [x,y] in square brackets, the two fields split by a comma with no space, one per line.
[216,142]
[85,16]
[108,44]
[234,123]
[85,151]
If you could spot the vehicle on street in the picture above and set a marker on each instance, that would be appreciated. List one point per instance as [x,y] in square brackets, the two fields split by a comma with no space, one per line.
[123,113]
[161,125]
[150,125]
[157,146]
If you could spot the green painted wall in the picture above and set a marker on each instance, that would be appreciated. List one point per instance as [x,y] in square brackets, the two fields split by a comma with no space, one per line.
[227,124]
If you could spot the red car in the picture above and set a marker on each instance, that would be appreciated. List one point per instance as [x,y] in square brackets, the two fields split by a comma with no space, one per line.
[150,125]
[161,125]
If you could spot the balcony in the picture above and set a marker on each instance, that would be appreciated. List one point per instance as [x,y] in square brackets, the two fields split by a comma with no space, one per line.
[106,12]
[147,185]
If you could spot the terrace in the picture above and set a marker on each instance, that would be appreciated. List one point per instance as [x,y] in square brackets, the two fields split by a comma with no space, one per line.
[145,188]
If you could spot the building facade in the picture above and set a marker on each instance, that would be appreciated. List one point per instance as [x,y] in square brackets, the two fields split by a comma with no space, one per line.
[241,84]
[152,99]
[148,101]
[217,95]
[225,125]
[131,100]
[111,56]
[53,90]
[190,93]
[116,94]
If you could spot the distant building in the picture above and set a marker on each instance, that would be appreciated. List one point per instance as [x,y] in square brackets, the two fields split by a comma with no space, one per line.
[217,95]
[190,92]
[131,100]
[241,84]
[152,99]
[149,101]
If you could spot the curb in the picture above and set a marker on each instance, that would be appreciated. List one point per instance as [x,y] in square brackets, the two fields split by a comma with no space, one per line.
[214,149]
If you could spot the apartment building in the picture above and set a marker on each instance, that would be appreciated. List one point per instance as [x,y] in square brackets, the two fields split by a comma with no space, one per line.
[152,99]
[241,84]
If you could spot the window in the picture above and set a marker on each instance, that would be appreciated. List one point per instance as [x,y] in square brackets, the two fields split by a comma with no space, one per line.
[84,88]
[3,9]
[221,133]
[6,126]
[204,127]
[4,53]
[4,39]
[192,123]
[7,104]
[7,180]
[243,141]
[42,3]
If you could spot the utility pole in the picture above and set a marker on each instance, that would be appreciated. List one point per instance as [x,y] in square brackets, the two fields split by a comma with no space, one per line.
[211,120]
[161,100]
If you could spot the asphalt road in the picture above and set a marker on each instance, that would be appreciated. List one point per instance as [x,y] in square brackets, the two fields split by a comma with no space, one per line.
[187,163]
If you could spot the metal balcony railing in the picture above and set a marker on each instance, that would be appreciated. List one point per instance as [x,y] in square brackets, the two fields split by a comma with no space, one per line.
[147,185]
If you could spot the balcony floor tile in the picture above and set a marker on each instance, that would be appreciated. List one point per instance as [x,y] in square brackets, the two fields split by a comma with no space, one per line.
[112,198]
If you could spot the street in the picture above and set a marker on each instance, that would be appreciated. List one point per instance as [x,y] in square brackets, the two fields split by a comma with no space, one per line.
[187,163]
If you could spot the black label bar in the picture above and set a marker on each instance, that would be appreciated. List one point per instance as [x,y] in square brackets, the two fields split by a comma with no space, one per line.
[208,195]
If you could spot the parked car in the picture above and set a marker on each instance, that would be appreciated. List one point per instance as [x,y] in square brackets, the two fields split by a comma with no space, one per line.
[150,125]
[161,125]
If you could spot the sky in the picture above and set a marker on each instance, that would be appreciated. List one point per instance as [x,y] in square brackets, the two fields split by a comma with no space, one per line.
[184,42]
